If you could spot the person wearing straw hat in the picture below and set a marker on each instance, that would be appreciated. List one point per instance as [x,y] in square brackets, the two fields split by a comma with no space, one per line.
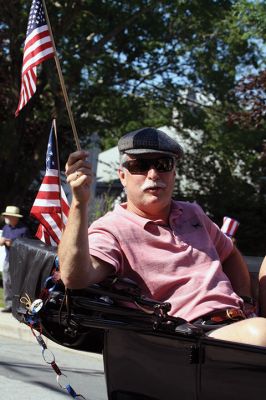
[171,248]
[12,230]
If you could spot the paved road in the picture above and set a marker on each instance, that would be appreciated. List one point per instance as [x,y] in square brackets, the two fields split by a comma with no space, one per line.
[25,376]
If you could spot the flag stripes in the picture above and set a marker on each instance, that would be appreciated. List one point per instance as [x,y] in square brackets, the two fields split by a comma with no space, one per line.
[230,226]
[38,48]
[44,236]
[51,206]
[47,206]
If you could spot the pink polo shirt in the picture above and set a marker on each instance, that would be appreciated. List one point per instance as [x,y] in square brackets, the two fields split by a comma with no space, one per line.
[179,263]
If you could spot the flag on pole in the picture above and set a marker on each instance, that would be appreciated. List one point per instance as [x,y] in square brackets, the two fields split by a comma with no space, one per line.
[51,206]
[38,48]
[229,226]
[44,236]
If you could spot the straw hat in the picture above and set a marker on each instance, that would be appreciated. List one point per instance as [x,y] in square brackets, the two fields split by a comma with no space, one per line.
[12,211]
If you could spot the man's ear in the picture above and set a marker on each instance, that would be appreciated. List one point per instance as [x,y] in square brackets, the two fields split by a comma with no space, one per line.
[122,177]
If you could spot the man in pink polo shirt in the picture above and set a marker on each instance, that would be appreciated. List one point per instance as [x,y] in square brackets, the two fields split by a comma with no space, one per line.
[171,249]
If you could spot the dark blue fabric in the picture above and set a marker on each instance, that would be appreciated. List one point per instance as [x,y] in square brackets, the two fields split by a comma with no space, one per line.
[18,231]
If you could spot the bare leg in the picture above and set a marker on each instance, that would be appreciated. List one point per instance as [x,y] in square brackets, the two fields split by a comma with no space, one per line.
[249,331]
[7,285]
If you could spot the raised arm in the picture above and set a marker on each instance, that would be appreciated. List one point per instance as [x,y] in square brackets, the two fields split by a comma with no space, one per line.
[78,268]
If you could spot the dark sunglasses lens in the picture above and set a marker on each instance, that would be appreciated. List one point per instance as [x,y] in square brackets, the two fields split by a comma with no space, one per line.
[136,166]
[143,165]
[164,164]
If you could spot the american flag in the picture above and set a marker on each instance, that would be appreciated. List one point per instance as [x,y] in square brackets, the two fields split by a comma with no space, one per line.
[47,207]
[229,226]
[38,48]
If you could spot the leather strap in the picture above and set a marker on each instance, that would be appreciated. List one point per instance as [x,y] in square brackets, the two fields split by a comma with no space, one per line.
[229,314]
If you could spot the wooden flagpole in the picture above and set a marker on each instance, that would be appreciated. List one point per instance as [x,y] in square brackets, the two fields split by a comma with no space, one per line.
[59,171]
[62,82]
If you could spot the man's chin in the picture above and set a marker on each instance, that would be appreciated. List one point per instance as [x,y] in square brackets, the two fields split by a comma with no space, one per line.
[154,200]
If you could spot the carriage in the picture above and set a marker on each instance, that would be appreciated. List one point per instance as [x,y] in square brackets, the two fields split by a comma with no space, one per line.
[148,355]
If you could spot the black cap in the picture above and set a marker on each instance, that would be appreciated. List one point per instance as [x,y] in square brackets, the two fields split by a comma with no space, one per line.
[149,140]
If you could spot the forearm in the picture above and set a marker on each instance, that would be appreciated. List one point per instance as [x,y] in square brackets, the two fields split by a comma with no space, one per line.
[73,250]
[236,269]
[78,268]
[262,289]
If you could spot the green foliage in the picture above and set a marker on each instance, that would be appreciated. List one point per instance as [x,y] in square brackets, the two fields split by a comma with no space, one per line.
[134,63]
[102,205]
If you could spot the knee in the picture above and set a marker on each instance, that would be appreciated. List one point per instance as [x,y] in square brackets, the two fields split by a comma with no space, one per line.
[256,329]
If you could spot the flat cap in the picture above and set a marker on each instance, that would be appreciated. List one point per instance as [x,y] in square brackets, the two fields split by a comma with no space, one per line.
[149,140]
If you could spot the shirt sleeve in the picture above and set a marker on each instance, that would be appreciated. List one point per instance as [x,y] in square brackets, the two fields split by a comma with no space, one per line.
[4,231]
[104,245]
[221,241]
[25,233]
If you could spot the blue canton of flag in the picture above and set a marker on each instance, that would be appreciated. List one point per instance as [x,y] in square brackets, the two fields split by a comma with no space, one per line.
[51,152]
[36,17]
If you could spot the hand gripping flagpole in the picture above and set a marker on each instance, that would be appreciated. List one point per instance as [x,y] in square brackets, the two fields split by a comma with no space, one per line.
[62,82]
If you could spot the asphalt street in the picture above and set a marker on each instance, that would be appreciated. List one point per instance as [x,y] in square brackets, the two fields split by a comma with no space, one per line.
[24,374]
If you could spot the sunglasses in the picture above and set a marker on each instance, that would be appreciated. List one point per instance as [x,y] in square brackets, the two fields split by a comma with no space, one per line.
[142,165]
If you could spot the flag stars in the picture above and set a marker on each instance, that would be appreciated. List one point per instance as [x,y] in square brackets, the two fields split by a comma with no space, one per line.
[50,155]
[36,17]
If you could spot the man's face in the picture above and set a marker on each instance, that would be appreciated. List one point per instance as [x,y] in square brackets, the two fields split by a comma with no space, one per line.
[10,220]
[149,188]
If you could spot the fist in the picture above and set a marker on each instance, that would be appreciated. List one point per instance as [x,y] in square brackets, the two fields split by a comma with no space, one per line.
[79,175]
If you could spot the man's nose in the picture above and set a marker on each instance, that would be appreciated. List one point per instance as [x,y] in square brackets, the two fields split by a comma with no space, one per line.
[152,173]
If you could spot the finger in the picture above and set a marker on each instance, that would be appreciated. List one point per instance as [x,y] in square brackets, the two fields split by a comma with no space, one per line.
[71,174]
[85,174]
[80,165]
[80,181]
[83,169]
[78,157]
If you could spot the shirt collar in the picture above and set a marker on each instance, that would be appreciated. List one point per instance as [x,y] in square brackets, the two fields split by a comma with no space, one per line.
[175,211]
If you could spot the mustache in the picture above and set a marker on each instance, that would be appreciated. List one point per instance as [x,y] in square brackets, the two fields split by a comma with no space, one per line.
[152,185]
